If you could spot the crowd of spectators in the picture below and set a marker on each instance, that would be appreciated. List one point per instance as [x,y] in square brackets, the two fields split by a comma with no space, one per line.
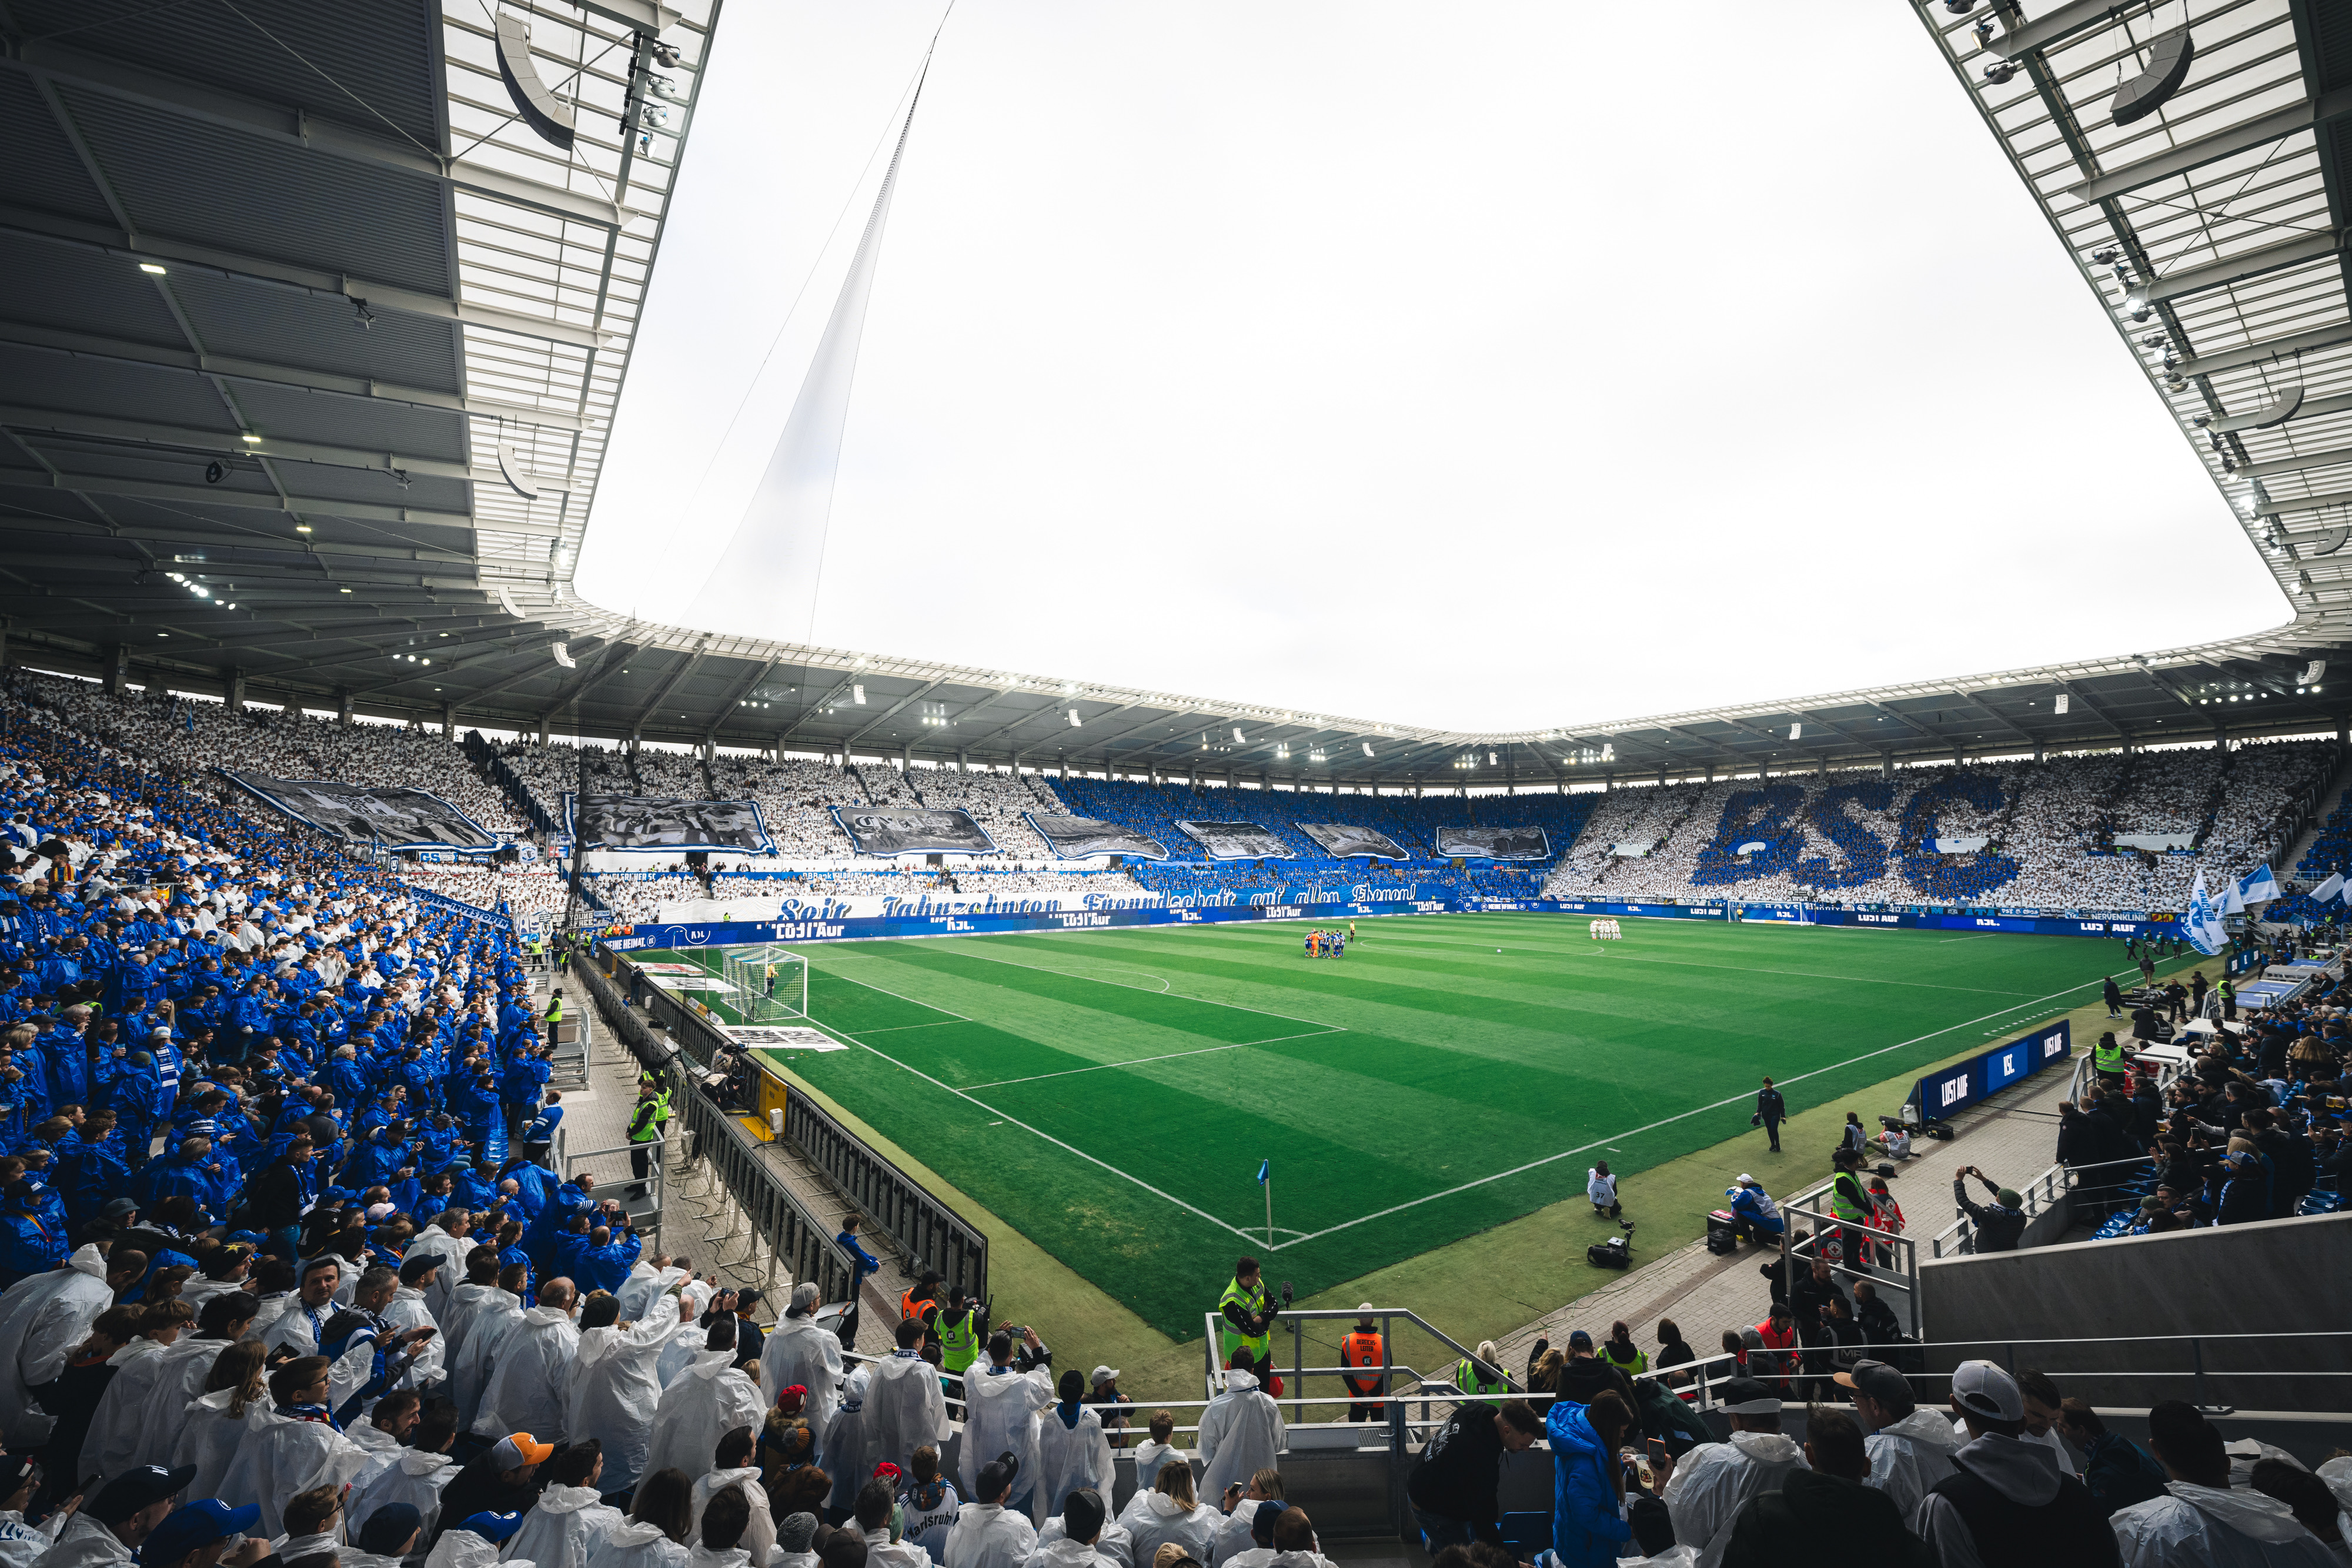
[995,800]
[2049,832]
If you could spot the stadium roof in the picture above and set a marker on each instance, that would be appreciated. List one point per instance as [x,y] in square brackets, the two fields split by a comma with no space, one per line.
[313,344]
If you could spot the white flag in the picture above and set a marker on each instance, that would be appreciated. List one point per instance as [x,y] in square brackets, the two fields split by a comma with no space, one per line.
[2202,926]
[2255,887]
[2328,889]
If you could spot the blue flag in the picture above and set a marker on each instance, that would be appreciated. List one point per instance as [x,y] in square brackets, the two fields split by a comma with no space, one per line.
[2203,924]
[1264,1168]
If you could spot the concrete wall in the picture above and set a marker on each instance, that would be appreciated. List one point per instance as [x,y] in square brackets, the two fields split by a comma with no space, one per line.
[2280,1277]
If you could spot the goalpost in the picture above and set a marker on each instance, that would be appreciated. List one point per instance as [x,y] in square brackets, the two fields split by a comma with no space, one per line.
[771,985]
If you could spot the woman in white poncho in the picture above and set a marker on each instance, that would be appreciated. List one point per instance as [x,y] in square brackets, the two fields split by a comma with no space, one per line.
[236,1403]
[613,1394]
[1169,1512]
[568,1522]
[295,1452]
[1071,1452]
[659,1523]
[702,1404]
[111,1443]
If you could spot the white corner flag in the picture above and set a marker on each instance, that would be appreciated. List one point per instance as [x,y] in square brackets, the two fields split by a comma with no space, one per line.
[2328,889]
[2203,924]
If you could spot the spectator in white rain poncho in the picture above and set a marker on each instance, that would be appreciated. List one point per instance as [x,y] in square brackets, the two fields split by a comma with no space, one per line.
[568,1522]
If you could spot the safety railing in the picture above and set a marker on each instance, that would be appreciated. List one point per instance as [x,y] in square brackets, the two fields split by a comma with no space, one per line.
[726,1174]
[932,1235]
[2050,1191]
[928,1231]
[1888,1259]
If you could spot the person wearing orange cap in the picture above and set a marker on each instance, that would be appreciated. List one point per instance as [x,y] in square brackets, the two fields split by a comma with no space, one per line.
[501,1479]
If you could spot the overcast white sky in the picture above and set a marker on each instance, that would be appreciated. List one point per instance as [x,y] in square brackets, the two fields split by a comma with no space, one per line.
[1489,367]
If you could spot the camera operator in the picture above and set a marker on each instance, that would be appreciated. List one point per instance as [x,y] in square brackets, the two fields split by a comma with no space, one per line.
[1249,1309]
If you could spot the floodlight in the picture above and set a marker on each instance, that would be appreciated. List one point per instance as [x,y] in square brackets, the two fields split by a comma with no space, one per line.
[214,472]
[856,694]
[149,267]
[666,56]
[2000,72]
[250,440]
[362,314]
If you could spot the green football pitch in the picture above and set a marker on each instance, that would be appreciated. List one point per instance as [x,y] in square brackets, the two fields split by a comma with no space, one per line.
[1113,1094]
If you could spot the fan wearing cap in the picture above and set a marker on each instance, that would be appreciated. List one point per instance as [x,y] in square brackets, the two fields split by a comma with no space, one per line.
[2001,1224]
[501,1479]
[197,1536]
[2007,1502]
[1704,1490]
[1910,1449]
[904,1400]
[114,1525]
[986,1533]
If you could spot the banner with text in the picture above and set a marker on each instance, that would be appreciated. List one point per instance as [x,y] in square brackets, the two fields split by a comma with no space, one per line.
[1075,838]
[398,818]
[1237,842]
[664,823]
[1344,840]
[1494,843]
[913,829]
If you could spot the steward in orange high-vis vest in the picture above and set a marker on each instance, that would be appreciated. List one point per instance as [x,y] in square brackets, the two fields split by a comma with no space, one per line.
[1363,1348]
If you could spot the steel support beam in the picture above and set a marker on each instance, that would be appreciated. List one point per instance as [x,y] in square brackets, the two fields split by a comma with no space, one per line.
[56,422]
[893,710]
[2271,351]
[2238,268]
[679,672]
[253,500]
[121,350]
[45,59]
[2199,151]
[100,240]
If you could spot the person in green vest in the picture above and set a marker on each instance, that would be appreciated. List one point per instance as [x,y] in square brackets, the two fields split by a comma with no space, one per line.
[962,1329]
[1620,1351]
[644,1132]
[1248,1310]
[554,1009]
[1481,1376]
[2108,1060]
[1850,1204]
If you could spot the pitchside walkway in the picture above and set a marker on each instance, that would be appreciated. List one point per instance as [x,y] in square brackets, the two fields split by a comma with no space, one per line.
[703,1231]
[2011,1139]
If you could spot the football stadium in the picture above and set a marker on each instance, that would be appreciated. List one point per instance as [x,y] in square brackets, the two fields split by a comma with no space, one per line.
[627,941]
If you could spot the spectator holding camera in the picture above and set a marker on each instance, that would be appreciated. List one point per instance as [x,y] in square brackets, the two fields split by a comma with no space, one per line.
[2000,1224]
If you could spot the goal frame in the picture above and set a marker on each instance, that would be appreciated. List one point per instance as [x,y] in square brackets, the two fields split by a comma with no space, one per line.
[748,970]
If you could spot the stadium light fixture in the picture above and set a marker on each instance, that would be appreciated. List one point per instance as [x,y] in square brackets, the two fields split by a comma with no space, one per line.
[250,439]
[151,269]
[856,694]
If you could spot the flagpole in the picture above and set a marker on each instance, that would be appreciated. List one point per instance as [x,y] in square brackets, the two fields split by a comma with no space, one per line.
[1269,1211]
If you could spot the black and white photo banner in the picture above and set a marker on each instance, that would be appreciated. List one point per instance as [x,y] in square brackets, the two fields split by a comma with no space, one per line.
[1237,842]
[396,818]
[663,822]
[1345,840]
[1075,838]
[1494,843]
[912,829]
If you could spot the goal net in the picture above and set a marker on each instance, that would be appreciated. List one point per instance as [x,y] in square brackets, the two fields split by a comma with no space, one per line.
[769,985]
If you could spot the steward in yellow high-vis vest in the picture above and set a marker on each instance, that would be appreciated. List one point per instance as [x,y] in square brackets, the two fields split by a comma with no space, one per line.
[1248,1311]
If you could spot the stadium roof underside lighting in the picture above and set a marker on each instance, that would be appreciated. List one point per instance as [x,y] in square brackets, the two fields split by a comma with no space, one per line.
[314,337]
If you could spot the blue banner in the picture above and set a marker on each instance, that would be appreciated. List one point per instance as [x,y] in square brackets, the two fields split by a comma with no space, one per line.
[1940,1093]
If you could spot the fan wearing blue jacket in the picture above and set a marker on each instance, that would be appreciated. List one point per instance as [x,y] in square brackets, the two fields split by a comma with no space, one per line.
[1587,1482]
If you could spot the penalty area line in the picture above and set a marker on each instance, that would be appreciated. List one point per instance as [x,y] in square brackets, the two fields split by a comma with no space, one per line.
[1141,1061]
[1661,1122]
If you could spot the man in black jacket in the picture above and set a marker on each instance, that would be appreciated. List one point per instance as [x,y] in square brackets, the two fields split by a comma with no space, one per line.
[501,1479]
[1770,1112]
[1454,1484]
[1998,1224]
[1825,1513]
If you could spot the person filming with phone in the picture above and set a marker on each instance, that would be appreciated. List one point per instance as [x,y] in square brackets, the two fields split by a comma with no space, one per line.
[2000,1224]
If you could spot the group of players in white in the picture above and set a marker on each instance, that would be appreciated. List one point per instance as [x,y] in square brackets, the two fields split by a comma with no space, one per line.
[1605,929]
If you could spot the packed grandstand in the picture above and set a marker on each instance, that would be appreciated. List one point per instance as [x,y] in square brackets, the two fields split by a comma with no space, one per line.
[2067,833]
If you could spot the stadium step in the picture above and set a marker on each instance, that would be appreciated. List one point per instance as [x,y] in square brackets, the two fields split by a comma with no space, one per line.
[2336,792]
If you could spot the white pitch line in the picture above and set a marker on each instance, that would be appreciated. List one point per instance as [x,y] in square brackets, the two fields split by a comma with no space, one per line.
[1651,1127]
[1140,1060]
[1017,1122]
[1204,1001]
[896,1027]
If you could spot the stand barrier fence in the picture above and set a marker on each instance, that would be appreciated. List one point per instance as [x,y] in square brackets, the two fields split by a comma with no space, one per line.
[929,1233]
[724,1173]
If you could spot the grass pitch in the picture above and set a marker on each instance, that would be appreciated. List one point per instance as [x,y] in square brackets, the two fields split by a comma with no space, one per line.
[1112,1093]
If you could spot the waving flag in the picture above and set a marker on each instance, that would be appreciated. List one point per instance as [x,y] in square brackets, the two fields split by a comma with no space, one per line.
[2328,889]
[2203,924]
[2254,887]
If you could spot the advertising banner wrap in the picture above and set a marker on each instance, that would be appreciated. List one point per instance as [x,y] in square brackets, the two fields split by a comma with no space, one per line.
[1344,840]
[913,829]
[664,823]
[1494,843]
[1075,838]
[1237,842]
[398,818]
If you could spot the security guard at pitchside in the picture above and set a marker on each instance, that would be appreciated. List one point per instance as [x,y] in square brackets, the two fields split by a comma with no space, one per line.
[1363,1348]
[962,1328]
[1248,1310]
[921,1300]
[554,1008]
[644,1129]
[1850,1204]
[2108,1060]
